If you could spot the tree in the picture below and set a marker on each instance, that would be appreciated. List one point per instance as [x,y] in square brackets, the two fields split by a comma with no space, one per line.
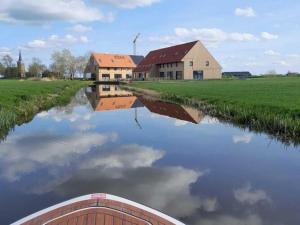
[67,65]
[7,61]
[81,63]
[36,68]
[2,69]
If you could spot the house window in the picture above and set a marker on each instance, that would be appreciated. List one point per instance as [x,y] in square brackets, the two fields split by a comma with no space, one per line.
[207,63]
[176,64]
[118,76]
[105,77]
[162,74]
[106,88]
[128,76]
[191,63]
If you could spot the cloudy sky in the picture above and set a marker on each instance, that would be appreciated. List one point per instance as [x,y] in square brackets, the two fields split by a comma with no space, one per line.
[250,35]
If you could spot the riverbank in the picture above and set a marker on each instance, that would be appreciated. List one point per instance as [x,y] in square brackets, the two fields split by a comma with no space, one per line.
[21,100]
[266,104]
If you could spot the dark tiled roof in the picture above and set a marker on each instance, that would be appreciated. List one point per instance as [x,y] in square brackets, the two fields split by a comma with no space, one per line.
[165,55]
[137,59]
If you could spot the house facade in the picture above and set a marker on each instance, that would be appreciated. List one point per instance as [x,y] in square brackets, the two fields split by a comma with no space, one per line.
[107,67]
[181,62]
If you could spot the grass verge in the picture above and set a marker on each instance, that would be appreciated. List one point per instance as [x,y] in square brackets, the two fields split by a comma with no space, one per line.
[21,100]
[271,105]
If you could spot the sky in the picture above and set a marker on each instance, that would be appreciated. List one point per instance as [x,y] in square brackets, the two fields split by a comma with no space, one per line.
[243,35]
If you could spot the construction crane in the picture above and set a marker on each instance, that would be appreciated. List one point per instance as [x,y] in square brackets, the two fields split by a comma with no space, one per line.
[134,43]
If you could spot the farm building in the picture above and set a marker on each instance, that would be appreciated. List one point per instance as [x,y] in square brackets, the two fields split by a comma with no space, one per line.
[105,67]
[240,75]
[181,62]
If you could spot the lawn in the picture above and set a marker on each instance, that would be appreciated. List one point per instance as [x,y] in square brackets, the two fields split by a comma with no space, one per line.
[271,104]
[21,100]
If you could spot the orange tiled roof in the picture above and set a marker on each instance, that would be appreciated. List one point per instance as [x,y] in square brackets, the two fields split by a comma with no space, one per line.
[115,103]
[114,60]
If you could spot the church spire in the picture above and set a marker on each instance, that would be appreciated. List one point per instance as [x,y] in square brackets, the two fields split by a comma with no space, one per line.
[20,56]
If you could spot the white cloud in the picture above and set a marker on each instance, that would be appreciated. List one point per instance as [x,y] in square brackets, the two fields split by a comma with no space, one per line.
[180,123]
[247,195]
[272,53]
[5,51]
[56,41]
[79,28]
[244,138]
[37,44]
[23,154]
[268,36]
[212,37]
[129,4]
[282,63]
[122,158]
[84,39]
[246,12]
[32,11]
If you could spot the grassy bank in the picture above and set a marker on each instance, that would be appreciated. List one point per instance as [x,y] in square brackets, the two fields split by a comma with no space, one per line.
[268,104]
[21,100]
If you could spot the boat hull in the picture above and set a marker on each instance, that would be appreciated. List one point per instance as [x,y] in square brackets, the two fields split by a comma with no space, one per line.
[98,209]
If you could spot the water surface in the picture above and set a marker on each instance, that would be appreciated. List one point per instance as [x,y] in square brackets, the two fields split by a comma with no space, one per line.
[169,157]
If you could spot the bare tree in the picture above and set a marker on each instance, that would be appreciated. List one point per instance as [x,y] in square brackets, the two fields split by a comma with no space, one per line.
[68,65]
[7,61]
[36,68]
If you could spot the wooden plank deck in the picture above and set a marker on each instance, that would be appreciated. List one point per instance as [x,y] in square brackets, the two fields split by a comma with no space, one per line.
[98,210]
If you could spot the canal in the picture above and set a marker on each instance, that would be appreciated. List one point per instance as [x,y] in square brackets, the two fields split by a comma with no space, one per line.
[170,157]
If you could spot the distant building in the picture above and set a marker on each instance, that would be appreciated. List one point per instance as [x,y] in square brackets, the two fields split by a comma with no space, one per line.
[181,62]
[21,66]
[106,67]
[293,74]
[240,75]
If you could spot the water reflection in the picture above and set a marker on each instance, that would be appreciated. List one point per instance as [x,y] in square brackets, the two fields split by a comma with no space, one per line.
[182,162]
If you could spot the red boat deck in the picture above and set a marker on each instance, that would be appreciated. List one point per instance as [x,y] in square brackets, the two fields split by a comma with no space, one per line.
[98,209]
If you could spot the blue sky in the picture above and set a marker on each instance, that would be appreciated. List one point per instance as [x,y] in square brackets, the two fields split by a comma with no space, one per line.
[249,35]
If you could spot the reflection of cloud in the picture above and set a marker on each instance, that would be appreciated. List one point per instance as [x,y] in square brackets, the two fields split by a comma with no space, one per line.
[244,138]
[179,123]
[59,115]
[83,126]
[230,220]
[209,120]
[247,195]
[22,154]
[127,156]
[160,188]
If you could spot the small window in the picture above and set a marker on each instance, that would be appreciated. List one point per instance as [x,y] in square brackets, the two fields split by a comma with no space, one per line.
[191,63]
[207,63]
[176,64]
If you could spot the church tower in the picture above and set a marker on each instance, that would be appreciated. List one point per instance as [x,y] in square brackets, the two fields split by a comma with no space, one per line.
[21,66]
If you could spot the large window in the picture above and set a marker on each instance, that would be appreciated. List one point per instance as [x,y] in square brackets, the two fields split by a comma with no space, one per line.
[170,75]
[179,75]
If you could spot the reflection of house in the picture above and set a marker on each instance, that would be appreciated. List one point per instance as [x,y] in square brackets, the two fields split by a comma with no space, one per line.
[104,67]
[186,61]
[111,97]
[172,110]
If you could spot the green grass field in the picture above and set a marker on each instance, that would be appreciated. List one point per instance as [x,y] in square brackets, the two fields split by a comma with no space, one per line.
[271,104]
[20,100]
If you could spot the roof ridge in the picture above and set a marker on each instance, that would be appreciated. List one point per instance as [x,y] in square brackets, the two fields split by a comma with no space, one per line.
[175,46]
